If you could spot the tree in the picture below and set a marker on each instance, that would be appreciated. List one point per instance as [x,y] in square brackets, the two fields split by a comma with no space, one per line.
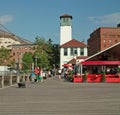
[46,54]
[41,52]
[27,60]
[55,55]
[4,56]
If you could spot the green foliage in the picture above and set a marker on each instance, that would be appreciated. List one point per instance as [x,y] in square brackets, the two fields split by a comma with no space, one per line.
[118,69]
[85,76]
[4,56]
[70,75]
[27,60]
[103,76]
[56,54]
[46,54]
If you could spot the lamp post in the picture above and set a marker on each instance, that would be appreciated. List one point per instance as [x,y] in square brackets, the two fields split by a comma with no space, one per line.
[18,61]
[36,61]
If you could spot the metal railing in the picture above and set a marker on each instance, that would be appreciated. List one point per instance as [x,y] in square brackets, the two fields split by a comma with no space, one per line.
[9,78]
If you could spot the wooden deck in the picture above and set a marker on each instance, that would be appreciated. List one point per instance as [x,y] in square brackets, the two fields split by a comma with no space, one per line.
[59,97]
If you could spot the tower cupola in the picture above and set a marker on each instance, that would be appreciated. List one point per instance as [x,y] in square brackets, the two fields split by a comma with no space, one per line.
[66,20]
[65,28]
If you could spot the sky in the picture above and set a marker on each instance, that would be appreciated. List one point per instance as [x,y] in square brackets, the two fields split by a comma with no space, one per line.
[31,18]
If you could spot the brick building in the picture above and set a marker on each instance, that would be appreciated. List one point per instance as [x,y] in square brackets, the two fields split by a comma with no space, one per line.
[103,38]
[17,45]
[18,50]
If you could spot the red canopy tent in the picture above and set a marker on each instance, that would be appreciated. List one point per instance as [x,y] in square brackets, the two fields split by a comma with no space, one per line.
[99,63]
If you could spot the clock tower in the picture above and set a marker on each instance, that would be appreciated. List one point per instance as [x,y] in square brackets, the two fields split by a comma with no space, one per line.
[65,28]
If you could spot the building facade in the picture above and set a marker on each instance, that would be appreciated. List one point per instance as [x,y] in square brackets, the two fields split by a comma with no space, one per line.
[17,52]
[69,47]
[15,44]
[102,38]
[72,50]
[9,39]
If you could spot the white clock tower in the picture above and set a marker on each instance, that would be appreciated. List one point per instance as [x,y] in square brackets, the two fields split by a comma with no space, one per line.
[65,28]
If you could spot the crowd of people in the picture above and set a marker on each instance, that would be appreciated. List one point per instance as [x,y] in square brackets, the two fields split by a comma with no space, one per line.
[39,74]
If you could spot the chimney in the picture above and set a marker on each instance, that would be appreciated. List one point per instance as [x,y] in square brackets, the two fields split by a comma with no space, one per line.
[118,25]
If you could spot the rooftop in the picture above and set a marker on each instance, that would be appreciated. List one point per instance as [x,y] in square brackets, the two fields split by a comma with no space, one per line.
[73,43]
[66,15]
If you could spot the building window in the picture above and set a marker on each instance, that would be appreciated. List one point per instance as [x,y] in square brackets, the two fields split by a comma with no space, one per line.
[110,42]
[82,51]
[104,35]
[73,51]
[116,41]
[118,36]
[112,36]
[14,54]
[104,45]
[104,41]
[65,51]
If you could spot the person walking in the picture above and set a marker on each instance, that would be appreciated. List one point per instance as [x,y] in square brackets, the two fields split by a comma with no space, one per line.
[32,76]
[39,78]
[59,73]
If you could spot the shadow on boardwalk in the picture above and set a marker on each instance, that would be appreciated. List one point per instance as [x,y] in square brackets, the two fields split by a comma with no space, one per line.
[58,97]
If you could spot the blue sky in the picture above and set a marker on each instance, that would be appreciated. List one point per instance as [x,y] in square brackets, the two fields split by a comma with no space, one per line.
[29,18]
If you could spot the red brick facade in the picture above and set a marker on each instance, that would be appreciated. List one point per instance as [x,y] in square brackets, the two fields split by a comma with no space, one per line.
[18,51]
[103,38]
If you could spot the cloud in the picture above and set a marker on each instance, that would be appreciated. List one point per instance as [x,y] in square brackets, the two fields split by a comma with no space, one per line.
[5,19]
[113,18]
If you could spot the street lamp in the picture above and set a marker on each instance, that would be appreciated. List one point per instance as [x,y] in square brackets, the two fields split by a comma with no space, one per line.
[36,61]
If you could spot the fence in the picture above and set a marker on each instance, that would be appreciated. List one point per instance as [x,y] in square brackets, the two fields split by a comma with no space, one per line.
[9,78]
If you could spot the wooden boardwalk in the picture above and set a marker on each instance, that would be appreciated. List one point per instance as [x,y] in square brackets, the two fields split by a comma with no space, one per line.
[58,97]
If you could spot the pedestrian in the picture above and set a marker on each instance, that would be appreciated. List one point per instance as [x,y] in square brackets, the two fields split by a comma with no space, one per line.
[63,73]
[33,76]
[39,78]
[49,73]
[44,74]
[59,73]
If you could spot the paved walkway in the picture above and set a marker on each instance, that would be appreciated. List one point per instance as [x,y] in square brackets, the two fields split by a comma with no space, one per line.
[58,97]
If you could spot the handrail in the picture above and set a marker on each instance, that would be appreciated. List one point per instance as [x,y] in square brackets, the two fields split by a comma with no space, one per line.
[12,79]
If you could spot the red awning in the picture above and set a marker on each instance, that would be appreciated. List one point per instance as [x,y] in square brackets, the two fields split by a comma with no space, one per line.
[100,63]
[67,65]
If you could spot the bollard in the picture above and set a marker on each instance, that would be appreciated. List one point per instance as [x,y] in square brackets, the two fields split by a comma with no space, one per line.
[2,82]
[10,79]
[28,79]
[18,79]
[23,79]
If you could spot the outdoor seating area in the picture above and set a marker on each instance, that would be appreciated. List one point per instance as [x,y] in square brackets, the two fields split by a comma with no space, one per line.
[77,78]
[97,78]
[110,78]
